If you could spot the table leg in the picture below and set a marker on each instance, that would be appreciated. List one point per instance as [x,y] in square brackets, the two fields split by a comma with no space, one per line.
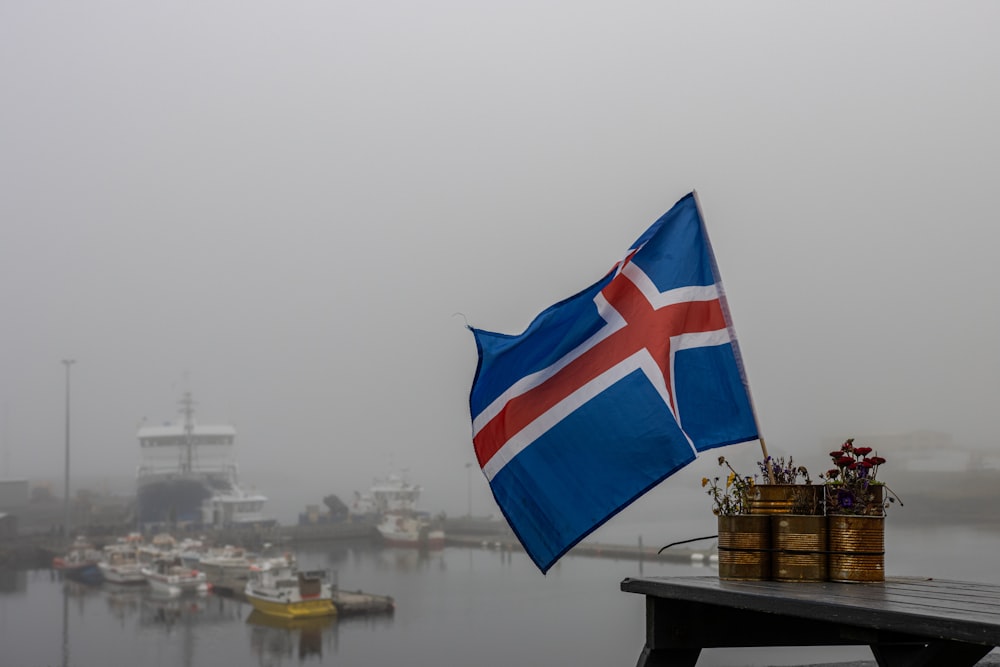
[953,654]
[672,634]
[668,657]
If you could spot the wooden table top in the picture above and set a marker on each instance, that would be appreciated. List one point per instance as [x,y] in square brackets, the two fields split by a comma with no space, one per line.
[935,608]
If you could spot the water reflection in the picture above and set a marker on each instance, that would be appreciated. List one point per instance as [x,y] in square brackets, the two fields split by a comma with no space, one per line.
[186,621]
[408,561]
[79,593]
[182,619]
[13,581]
[65,627]
[168,612]
[273,640]
[124,601]
[444,600]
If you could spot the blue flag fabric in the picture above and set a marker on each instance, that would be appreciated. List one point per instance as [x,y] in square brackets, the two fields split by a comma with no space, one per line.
[610,391]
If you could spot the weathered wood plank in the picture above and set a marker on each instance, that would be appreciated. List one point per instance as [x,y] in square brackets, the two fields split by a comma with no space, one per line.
[940,610]
[907,622]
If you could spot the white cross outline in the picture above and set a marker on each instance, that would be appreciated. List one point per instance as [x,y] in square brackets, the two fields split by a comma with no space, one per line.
[640,360]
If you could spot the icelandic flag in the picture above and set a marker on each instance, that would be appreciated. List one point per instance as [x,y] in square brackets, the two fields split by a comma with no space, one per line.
[610,391]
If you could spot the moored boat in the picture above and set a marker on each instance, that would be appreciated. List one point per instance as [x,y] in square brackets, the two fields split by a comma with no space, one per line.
[435,537]
[172,577]
[120,563]
[410,530]
[80,563]
[401,523]
[227,569]
[188,476]
[191,551]
[278,588]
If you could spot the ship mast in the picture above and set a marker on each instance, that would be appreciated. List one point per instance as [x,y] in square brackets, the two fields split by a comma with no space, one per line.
[187,409]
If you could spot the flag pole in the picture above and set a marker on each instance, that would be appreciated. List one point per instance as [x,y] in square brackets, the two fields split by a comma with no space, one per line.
[724,303]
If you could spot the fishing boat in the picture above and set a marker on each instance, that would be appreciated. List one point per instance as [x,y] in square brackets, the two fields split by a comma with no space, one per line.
[191,551]
[120,562]
[188,475]
[278,588]
[401,523]
[410,530]
[172,577]
[80,563]
[228,568]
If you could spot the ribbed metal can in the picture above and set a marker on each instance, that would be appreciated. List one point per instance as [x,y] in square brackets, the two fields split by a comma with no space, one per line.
[857,548]
[745,547]
[786,499]
[800,544]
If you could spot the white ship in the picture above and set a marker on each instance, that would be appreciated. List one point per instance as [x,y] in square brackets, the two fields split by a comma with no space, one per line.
[401,524]
[188,475]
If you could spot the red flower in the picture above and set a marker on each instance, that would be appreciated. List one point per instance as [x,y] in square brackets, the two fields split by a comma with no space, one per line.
[866,463]
[844,461]
[835,455]
[852,466]
[863,451]
[877,460]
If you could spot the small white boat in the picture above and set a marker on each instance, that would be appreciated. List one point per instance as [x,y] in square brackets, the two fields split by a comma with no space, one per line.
[277,587]
[400,529]
[401,523]
[228,568]
[191,551]
[120,562]
[171,576]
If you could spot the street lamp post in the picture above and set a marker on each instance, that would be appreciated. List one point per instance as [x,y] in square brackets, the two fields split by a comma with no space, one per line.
[66,526]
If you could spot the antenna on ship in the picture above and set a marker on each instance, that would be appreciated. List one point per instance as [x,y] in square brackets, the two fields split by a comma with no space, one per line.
[187,409]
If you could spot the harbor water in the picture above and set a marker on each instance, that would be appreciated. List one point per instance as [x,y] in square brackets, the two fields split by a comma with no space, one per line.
[458,606]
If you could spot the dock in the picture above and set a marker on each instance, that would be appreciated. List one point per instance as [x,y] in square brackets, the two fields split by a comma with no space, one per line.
[347,603]
[356,603]
[637,551]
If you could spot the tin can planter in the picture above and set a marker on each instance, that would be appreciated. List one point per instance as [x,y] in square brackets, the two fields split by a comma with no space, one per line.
[786,499]
[857,548]
[745,547]
[800,545]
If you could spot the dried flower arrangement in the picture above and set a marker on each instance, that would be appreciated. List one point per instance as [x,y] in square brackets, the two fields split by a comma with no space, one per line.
[731,497]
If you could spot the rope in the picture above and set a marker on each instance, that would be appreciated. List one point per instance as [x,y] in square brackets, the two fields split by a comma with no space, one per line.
[793,552]
[693,539]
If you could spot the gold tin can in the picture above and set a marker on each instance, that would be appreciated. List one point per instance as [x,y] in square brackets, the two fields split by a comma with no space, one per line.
[745,547]
[857,548]
[786,499]
[800,544]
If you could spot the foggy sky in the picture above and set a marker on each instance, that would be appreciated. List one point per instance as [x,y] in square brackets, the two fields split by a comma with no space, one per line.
[282,207]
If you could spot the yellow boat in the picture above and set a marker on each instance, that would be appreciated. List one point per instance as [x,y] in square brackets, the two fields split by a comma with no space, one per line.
[277,587]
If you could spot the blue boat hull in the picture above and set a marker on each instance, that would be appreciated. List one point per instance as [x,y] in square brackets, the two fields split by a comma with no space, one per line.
[85,574]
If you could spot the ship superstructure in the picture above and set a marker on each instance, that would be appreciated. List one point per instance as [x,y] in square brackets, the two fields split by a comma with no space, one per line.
[188,475]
